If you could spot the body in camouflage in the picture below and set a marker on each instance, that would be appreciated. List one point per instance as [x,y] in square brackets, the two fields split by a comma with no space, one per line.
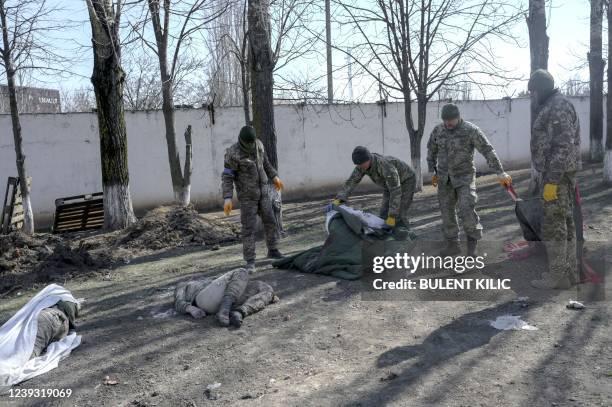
[248,296]
[395,177]
[450,154]
[250,174]
[555,151]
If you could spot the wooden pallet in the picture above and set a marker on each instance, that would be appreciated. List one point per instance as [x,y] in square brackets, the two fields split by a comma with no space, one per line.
[12,208]
[79,212]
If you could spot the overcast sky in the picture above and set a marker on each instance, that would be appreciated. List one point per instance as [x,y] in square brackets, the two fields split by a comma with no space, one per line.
[568,31]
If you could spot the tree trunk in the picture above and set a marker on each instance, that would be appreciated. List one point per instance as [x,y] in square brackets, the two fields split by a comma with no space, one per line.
[28,215]
[262,80]
[185,197]
[596,72]
[415,138]
[538,50]
[107,80]
[244,76]
[330,79]
[607,171]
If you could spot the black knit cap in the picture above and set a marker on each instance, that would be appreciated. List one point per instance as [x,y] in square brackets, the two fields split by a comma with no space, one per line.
[360,155]
[450,111]
[541,81]
[247,134]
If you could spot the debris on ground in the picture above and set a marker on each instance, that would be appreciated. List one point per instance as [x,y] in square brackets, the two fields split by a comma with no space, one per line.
[43,257]
[211,391]
[110,381]
[172,226]
[575,305]
[511,322]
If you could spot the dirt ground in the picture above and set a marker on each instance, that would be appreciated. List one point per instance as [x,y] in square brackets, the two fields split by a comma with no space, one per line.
[321,345]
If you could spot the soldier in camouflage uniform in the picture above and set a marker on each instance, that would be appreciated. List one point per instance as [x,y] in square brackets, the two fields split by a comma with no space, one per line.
[238,299]
[450,158]
[394,175]
[54,324]
[555,153]
[247,167]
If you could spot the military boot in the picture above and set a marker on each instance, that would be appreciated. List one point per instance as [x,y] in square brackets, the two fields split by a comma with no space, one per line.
[553,282]
[471,246]
[250,266]
[274,254]
[451,249]
[236,319]
[224,310]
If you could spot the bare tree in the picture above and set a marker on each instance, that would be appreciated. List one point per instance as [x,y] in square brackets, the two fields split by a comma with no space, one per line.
[78,100]
[419,46]
[142,89]
[26,26]
[107,79]
[177,59]
[538,51]
[607,171]
[328,49]
[596,70]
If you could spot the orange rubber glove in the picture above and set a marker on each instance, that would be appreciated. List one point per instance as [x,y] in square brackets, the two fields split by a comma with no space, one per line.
[434,180]
[227,206]
[278,184]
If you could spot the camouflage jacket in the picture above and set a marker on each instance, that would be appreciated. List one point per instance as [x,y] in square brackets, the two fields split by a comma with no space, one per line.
[385,171]
[249,172]
[186,292]
[450,153]
[555,139]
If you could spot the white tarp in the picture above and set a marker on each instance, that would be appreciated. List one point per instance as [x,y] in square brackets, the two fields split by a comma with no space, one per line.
[508,322]
[17,338]
[369,220]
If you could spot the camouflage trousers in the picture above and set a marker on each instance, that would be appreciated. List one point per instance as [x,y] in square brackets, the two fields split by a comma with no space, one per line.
[248,217]
[52,326]
[407,195]
[558,230]
[249,296]
[463,198]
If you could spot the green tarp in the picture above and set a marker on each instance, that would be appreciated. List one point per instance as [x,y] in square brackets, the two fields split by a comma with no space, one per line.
[340,255]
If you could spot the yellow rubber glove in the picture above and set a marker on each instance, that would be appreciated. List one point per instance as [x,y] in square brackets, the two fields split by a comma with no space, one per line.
[337,202]
[227,206]
[505,180]
[434,180]
[550,192]
[278,184]
[390,221]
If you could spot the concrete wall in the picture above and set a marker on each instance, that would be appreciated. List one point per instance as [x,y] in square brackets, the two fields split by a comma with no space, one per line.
[314,147]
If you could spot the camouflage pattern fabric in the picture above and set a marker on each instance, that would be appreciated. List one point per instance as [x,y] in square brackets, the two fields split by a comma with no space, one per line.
[52,326]
[248,172]
[406,200]
[395,176]
[555,139]
[463,198]
[248,296]
[450,152]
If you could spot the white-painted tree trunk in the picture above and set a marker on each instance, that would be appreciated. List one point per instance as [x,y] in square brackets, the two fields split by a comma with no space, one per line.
[183,195]
[416,166]
[607,170]
[118,212]
[28,215]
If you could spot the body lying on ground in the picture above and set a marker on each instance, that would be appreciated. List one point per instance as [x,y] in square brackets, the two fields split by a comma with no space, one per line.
[54,323]
[231,297]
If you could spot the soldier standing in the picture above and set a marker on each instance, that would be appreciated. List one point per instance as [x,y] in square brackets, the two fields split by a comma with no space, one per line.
[394,175]
[555,153]
[247,167]
[450,158]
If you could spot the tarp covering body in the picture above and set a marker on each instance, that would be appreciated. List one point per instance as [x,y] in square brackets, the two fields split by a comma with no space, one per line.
[18,334]
[341,254]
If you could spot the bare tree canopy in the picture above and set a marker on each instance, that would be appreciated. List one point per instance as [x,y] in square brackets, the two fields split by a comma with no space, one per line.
[417,47]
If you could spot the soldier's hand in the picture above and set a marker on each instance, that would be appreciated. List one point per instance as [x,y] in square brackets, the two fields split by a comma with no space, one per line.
[337,202]
[550,192]
[195,312]
[434,180]
[505,180]
[278,184]
[227,206]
